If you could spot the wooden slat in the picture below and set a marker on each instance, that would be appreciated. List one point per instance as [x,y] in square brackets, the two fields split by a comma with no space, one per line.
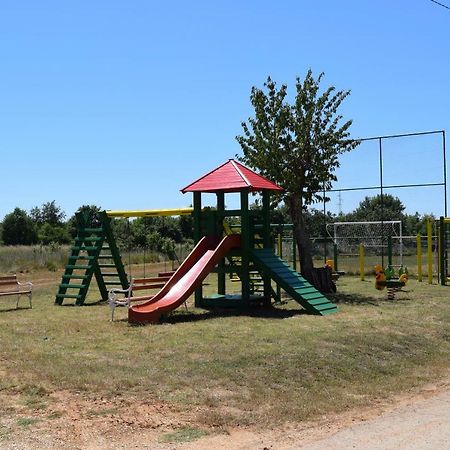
[150,280]
[14,293]
[141,287]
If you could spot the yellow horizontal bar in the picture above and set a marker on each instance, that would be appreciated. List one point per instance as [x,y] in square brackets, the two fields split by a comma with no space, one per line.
[150,212]
[446,219]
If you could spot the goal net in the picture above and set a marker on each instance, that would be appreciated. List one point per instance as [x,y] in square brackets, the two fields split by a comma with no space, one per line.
[373,235]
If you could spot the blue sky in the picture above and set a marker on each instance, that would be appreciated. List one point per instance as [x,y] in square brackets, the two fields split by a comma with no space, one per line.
[121,104]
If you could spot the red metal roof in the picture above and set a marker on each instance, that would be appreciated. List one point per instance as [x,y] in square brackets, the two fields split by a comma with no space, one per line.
[231,177]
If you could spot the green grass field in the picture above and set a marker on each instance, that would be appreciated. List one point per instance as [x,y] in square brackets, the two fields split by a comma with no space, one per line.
[258,368]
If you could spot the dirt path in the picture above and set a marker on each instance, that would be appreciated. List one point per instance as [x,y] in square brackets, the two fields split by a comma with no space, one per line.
[424,424]
[419,421]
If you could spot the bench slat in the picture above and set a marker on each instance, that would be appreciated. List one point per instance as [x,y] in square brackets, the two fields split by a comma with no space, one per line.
[141,287]
[149,280]
[14,293]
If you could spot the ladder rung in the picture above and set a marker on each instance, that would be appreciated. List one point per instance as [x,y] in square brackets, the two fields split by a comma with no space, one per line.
[106,265]
[110,274]
[105,256]
[87,238]
[77,266]
[76,277]
[72,286]
[92,230]
[87,249]
[113,283]
[83,257]
[68,296]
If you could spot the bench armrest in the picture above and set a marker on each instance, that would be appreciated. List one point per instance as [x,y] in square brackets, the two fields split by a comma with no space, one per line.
[26,283]
[113,299]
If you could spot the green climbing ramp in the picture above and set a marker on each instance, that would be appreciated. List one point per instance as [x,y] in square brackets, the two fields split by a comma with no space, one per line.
[293,283]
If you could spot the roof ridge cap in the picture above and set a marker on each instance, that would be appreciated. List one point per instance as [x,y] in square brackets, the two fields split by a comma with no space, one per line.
[239,171]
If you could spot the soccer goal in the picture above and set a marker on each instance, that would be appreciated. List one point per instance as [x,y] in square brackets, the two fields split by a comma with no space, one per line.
[373,235]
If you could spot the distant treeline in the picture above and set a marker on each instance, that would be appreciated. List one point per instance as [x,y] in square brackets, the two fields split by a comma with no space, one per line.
[48,225]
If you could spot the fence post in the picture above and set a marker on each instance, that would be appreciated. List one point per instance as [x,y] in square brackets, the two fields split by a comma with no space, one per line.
[335,257]
[419,257]
[361,261]
[430,251]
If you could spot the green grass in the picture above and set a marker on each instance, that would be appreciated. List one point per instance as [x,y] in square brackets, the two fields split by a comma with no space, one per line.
[25,422]
[185,434]
[232,368]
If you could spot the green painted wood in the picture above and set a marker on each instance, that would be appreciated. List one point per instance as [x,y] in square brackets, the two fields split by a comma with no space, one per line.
[116,258]
[292,282]
[89,244]
[84,248]
[81,219]
[197,216]
[63,296]
[74,277]
[72,285]
[88,238]
[81,257]
[77,267]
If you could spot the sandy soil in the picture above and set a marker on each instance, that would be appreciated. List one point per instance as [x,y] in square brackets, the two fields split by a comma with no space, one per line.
[73,421]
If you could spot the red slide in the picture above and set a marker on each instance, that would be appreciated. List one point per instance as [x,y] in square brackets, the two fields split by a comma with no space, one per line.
[205,255]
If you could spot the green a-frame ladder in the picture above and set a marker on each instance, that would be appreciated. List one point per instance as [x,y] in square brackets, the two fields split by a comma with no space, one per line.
[94,253]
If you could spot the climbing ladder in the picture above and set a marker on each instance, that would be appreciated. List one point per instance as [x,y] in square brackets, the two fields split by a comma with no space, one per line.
[255,276]
[94,252]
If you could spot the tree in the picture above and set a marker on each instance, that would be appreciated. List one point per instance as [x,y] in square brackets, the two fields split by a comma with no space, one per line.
[18,229]
[49,221]
[48,213]
[386,207]
[297,146]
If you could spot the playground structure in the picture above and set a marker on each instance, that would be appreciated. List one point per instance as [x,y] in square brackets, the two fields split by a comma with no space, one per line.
[248,254]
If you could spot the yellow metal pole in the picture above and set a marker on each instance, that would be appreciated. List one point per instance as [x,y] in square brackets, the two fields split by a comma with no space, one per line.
[430,251]
[361,261]
[279,249]
[419,257]
[150,212]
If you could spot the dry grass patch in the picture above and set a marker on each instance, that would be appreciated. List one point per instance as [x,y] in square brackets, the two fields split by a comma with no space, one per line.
[226,368]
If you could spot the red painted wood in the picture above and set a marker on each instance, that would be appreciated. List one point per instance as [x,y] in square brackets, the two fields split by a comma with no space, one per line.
[231,177]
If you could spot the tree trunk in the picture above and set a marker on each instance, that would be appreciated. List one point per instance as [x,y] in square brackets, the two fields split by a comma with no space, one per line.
[303,241]
[320,278]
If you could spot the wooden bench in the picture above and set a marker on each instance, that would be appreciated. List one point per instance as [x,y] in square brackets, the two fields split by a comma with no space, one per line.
[124,297]
[10,286]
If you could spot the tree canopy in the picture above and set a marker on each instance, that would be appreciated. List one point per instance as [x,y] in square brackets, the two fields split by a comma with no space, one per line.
[18,228]
[297,145]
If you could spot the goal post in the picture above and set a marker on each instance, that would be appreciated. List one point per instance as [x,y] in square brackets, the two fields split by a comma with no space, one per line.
[374,235]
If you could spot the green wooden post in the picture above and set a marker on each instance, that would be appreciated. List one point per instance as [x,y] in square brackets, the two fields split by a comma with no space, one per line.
[197,215]
[221,273]
[197,235]
[245,246]
[442,251]
[266,238]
